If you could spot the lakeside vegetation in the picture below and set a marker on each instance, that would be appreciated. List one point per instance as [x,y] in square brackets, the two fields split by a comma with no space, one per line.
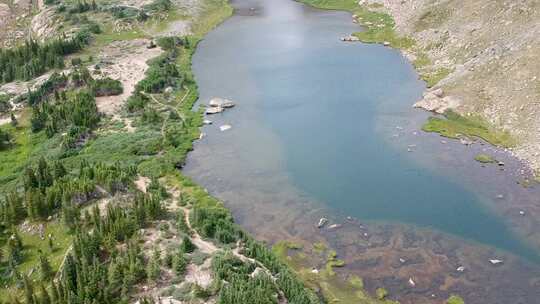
[334,288]
[485,158]
[453,125]
[379,27]
[71,215]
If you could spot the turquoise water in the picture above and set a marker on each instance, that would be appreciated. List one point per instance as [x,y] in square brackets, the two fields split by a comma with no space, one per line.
[310,109]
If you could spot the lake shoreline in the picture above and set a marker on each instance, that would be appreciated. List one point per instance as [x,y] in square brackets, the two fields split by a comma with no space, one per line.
[430,260]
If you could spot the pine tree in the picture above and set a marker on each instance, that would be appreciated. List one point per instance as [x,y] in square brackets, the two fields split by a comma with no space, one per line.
[59,170]
[153,270]
[115,275]
[179,263]
[28,290]
[14,249]
[45,268]
[44,295]
[187,246]
[51,243]
[14,121]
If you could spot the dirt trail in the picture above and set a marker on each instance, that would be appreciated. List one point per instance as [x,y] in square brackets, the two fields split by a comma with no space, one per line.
[204,246]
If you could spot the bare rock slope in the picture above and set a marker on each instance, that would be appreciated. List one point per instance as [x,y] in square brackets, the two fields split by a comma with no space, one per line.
[491,50]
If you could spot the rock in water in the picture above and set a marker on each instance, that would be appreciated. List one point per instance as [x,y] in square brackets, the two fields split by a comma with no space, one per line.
[322,222]
[496,262]
[213,110]
[334,226]
[221,103]
[225,127]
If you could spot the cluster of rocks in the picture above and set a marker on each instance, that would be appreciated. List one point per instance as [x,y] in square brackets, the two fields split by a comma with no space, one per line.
[218,105]
[350,38]
[436,101]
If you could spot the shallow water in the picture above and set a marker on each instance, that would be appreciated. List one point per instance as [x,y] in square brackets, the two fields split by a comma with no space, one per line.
[308,121]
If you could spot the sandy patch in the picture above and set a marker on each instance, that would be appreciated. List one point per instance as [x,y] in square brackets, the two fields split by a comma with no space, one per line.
[142,182]
[200,275]
[126,62]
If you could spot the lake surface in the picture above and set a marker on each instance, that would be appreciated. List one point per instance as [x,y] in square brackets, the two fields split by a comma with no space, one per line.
[313,121]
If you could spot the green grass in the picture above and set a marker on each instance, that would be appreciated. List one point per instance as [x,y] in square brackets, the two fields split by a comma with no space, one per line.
[319,247]
[454,125]
[108,36]
[379,27]
[455,300]
[26,145]
[432,78]
[32,243]
[214,12]
[484,158]
[282,248]
[333,288]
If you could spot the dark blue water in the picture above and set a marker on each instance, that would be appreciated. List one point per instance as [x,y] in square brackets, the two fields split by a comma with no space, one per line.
[310,108]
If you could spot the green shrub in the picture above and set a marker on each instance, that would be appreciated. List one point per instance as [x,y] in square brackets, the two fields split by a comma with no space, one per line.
[106,87]
[455,300]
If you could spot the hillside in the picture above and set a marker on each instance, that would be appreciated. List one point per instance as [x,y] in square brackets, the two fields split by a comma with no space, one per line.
[485,55]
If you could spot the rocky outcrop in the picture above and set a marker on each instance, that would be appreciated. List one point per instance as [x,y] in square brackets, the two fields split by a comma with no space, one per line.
[45,25]
[435,101]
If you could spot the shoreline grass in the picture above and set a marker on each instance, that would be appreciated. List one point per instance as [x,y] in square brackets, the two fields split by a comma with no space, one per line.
[455,126]
[333,287]
[485,158]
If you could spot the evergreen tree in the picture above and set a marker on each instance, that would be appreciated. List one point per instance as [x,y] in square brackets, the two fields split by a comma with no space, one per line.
[14,249]
[45,268]
[51,243]
[179,263]
[44,297]
[28,290]
[14,121]
[187,246]
[153,270]
[4,139]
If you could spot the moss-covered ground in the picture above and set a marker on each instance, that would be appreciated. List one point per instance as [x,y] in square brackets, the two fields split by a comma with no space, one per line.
[453,125]
[316,266]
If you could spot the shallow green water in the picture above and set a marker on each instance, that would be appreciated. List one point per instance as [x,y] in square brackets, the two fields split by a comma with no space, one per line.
[309,110]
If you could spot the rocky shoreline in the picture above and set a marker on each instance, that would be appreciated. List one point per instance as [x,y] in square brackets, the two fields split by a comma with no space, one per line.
[491,54]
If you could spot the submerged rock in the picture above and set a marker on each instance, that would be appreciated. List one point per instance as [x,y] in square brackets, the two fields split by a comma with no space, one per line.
[322,222]
[334,226]
[225,127]
[496,261]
